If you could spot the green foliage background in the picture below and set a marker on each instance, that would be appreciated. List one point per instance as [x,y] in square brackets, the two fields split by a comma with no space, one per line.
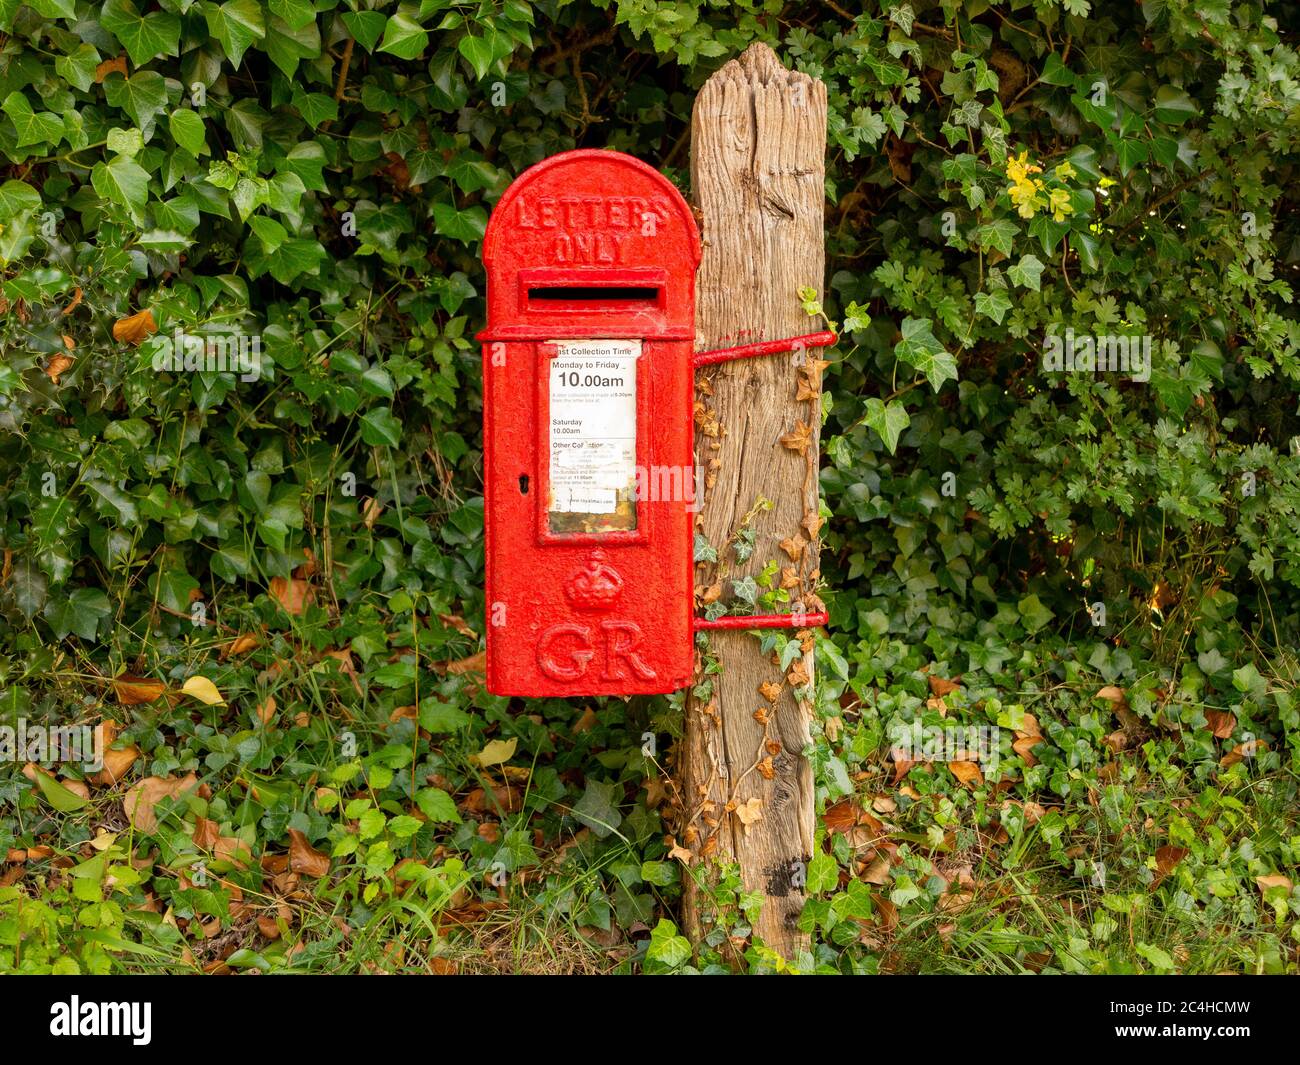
[319,173]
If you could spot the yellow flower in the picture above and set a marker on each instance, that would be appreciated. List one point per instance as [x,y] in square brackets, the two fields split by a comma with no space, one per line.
[1024,190]
[1065,171]
[1059,202]
[1025,195]
[1019,168]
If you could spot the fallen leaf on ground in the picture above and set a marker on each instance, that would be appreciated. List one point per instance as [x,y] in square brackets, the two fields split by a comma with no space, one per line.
[346,666]
[473,664]
[504,800]
[304,858]
[841,816]
[1025,748]
[877,870]
[116,763]
[293,595]
[459,624]
[1248,749]
[1167,859]
[1222,723]
[143,796]
[202,689]
[206,833]
[232,849]
[495,752]
[239,645]
[939,687]
[966,772]
[132,690]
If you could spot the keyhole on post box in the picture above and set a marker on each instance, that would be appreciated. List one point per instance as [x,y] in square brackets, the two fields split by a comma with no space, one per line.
[523,484]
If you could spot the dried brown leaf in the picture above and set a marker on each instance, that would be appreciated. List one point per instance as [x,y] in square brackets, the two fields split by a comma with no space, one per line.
[136,328]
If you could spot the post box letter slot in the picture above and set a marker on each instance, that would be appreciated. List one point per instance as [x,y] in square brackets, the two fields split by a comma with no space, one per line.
[593,297]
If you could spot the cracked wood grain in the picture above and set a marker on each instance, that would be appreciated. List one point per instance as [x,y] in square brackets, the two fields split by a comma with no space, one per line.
[758,141]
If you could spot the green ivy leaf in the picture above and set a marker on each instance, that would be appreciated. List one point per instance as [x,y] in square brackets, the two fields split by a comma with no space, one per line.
[998,235]
[54,8]
[143,36]
[366,27]
[122,181]
[887,419]
[236,24]
[379,427]
[1174,106]
[188,131]
[478,52]
[80,612]
[17,197]
[1056,72]
[268,231]
[33,127]
[1027,272]
[442,717]
[142,95]
[1034,614]
[466,226]
[78,66]
[1131,152]
[404,37]
[993,305]
[296,257]
[921,349]
[16,236]
[287,46]
[163,241]
[295,13]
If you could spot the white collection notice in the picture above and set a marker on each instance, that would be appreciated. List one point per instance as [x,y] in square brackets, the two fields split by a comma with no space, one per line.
[593,424]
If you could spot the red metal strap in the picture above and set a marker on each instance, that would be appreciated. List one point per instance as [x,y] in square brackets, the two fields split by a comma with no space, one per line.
[823,339]
[765,347]
[765,621]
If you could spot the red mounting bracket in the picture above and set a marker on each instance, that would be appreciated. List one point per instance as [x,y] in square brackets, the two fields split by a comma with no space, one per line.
[765,347]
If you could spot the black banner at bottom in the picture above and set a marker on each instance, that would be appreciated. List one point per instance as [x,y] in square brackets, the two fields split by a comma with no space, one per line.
[143,1015]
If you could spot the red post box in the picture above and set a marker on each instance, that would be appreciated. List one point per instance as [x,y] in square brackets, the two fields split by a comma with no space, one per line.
[587,395]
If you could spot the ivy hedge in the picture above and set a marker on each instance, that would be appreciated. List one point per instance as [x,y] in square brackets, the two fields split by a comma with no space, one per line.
[306,184]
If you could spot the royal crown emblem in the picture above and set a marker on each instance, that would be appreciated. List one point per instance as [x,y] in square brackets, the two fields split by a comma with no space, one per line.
[595,587]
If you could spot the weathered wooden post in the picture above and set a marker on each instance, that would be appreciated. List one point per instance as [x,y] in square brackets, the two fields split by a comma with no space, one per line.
[758,141]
